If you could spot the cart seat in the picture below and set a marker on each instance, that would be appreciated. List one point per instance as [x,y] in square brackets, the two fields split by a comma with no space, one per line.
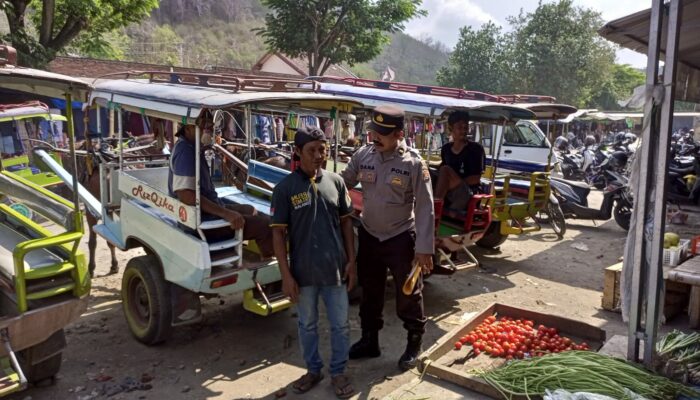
[9,239]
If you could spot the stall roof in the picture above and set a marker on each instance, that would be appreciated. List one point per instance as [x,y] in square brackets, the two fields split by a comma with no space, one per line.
[632,32]
[42,83]
[428,105]
[187,100]
[549,110]
[29,112]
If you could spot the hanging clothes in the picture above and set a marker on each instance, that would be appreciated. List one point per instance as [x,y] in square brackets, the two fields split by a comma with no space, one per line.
[292,125]
[279,129]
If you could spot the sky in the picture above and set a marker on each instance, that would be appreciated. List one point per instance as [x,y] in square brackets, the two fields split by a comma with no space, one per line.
[445,17]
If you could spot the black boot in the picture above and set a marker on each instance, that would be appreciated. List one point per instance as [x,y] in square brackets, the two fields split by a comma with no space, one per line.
[409,358]
[367,346]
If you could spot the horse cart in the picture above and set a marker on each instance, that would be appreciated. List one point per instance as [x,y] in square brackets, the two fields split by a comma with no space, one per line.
[44,281]
[162,289]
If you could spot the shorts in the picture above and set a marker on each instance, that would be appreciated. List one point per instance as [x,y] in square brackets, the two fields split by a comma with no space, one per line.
[458,198]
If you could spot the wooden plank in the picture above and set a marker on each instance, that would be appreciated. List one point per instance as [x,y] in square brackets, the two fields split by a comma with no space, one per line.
[694,308]
[471,382]
[446,342]
[611,287]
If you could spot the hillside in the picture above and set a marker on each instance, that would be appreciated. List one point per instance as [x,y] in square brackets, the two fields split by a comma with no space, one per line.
[200,33]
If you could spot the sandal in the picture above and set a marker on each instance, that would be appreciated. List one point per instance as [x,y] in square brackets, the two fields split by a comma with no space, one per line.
[306,382]
[342,386]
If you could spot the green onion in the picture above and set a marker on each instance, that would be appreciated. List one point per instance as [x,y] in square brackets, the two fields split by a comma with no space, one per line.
[580,371]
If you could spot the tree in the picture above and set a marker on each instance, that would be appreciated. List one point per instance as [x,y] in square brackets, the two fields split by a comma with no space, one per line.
[479,61]
[557,51]
[623,81]
[329,32]
[39,29]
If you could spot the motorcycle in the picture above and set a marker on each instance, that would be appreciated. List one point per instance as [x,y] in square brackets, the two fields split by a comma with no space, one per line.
[571,197]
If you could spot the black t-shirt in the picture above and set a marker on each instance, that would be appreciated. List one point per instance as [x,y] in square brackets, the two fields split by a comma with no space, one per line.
[469,161]
[311,211]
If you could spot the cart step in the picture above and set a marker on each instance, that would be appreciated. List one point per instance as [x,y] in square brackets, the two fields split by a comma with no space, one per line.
[215,224]
[224,261]
[50,292]
[274,303]
[45,272]
[224,244]
[12,378]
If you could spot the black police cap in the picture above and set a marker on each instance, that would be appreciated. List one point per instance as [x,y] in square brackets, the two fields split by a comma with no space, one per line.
[386,119]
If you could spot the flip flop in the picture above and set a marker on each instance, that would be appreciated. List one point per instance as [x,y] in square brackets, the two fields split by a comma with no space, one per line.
[306,382]
[342,387]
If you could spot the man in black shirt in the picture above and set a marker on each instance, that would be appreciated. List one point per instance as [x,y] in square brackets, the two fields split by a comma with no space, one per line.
[312,208]
[462,164]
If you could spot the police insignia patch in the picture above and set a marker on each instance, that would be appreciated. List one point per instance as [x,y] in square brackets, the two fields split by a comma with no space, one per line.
[396,181]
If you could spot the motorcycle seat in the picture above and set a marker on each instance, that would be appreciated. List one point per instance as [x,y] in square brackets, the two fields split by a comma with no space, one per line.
[682,171]
[578,184]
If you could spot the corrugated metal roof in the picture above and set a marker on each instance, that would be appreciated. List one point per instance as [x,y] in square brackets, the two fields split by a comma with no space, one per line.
[187,100]
[42,82]
[428,105]
[632,32]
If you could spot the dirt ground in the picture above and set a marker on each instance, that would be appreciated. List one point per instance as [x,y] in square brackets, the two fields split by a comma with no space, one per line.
[233,354]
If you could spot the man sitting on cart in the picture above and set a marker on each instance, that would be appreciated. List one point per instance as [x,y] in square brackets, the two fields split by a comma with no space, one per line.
[462,165]
[181,184]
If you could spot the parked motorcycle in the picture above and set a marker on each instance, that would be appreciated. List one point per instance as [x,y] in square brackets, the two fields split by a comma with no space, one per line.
[572,198]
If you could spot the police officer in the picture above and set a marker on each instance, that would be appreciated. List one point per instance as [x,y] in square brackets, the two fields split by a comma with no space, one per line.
[397,230]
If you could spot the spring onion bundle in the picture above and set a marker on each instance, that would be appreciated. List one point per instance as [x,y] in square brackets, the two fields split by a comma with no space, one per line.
[581,371]
[679,356]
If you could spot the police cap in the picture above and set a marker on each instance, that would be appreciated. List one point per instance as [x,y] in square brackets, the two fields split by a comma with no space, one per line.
[386,119]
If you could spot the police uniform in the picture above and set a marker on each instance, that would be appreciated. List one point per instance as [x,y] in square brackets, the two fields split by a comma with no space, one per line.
[397,222]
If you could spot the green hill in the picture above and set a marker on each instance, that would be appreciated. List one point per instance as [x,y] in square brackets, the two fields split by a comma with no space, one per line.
[201,33]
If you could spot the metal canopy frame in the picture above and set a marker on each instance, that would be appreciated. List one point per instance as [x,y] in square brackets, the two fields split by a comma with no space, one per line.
[650,194]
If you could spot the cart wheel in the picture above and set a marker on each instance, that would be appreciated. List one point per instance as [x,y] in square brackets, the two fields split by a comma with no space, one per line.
[146,300]
[493,236]
[42,362]
[556,219]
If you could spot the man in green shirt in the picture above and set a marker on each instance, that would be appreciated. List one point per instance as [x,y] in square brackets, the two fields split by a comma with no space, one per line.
[312,208]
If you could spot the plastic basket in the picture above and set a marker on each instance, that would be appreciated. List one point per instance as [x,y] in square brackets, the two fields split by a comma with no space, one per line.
[673,257]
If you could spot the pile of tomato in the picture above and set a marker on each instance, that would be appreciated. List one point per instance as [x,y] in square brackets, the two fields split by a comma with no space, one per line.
[516,338]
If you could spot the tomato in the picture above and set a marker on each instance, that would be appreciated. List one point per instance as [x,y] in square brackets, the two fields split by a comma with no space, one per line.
[477,352]
[491,319]
[541,328]
[552,331]
[458,345]
[519,354]
[510,352]
[566,340]
[488,349]
[523,348]
[509,357]
[528,323]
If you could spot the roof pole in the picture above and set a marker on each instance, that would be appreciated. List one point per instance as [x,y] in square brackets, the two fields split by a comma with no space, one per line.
[650,196]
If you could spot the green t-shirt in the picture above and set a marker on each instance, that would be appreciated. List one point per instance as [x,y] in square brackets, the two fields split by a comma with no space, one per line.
[311,210]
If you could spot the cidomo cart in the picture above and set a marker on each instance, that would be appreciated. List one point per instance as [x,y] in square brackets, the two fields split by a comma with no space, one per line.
[44,278]
[162,289]
[511,199]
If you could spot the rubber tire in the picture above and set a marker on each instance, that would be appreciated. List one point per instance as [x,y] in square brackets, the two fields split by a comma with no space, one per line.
[43,370]
[156,327]
[622,218]
[556,219]
[493,237]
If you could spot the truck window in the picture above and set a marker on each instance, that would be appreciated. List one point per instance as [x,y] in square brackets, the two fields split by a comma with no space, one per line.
[523,135]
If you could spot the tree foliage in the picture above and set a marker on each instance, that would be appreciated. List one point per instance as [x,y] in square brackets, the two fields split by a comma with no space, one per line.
[39,29]
[329,32]
[554,50]
[479,61]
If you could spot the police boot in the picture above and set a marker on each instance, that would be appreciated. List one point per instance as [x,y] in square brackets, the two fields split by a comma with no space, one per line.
[367,346]
[409,358]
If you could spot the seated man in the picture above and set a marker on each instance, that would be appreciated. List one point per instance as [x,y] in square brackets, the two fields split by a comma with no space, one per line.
[462,164]
[181,184]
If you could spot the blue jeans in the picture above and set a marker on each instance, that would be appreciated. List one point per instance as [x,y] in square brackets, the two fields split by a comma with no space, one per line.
[336,300]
